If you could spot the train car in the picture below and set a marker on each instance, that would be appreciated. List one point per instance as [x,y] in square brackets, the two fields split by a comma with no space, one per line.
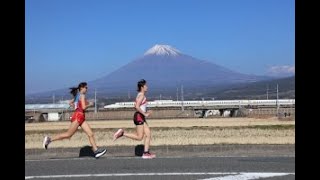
[222,103]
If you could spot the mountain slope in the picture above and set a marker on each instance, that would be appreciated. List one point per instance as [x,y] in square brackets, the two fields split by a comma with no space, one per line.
[166,67]
[257,90]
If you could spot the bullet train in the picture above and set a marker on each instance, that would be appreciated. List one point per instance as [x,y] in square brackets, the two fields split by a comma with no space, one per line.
[227,103]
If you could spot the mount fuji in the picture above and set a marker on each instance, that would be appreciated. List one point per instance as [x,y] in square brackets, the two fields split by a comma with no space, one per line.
[164,67]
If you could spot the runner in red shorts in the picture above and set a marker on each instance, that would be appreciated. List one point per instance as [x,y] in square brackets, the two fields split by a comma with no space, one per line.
[142,128]
[78,119]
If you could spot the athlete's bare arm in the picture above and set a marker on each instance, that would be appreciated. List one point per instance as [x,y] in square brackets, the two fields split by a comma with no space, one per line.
[138,103]
[83,102]
[71,103]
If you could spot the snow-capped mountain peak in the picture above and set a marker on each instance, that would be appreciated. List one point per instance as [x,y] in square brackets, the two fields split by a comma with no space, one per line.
[159,49]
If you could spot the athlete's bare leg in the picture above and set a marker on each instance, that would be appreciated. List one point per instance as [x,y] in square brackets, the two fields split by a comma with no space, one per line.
[72,129]
[136,136]
[87,129]
[147,134]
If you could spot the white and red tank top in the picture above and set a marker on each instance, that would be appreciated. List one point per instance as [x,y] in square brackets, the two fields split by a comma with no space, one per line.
[77,103]
[143,105]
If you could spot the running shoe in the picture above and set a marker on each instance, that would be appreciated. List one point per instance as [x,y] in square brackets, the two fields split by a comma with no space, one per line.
[46,142]
[148,155]
[118,134]
[99,152]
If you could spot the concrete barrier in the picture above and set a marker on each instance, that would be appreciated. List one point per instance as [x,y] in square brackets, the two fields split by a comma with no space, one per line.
[128,114]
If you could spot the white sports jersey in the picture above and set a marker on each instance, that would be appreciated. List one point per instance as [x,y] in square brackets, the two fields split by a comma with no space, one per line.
[143,104]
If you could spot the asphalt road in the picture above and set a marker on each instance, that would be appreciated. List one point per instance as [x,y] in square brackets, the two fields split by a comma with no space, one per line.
[184,167]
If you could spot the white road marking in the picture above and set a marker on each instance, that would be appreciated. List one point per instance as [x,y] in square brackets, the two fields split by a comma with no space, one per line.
[248,176]
[234,175]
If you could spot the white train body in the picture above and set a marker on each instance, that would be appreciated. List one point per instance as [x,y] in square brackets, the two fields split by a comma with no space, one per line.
[227,103]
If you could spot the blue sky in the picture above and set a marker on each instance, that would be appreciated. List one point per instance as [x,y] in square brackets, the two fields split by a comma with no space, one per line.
[68,41]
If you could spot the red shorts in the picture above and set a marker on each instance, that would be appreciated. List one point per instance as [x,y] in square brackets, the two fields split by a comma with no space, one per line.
[139,119]
[79,116]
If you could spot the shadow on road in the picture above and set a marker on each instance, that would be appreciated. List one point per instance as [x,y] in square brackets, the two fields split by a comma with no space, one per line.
[86,151]
[138,150]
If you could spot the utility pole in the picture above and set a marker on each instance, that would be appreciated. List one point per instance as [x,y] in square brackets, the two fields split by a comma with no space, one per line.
[277,100]
[95,101]
[182,98]
[129,94]
[53,99]
[160,96]
[177,94]
[267,91]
